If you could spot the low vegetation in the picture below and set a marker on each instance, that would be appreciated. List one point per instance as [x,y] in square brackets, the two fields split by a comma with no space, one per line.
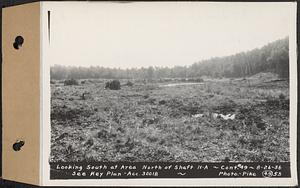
[113,85]
[70,82]
[145,121]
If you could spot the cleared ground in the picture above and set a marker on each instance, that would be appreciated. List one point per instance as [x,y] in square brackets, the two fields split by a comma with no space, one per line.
[156,121]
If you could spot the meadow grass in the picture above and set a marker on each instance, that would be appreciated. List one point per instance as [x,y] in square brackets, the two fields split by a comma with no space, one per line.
[147,122]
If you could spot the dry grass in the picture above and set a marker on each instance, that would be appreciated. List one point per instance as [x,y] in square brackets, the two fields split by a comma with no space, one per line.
[146,122]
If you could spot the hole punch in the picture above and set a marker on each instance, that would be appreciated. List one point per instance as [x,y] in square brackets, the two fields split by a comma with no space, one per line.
[19,40]
[18,145]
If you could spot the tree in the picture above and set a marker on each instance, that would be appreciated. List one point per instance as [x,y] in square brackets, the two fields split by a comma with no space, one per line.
[150,73]
[273,57]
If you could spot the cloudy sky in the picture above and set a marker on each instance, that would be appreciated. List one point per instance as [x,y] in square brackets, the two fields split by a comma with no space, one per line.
[130,35]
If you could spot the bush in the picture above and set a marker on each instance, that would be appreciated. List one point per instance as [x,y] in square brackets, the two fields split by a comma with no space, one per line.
[129,83]
[281,96]
[113,85]
[70,82]
[199,80]
[184,79]
[52,82]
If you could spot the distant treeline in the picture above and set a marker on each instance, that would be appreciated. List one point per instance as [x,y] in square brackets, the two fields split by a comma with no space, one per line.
[273,57]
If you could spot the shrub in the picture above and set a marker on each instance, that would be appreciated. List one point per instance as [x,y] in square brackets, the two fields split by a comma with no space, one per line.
[52,82]
[129,83]
[183,80]
[70,82]
[199,80]
[113,85]
[281,96]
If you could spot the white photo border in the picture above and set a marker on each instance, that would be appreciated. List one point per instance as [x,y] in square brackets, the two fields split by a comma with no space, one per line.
[46,127]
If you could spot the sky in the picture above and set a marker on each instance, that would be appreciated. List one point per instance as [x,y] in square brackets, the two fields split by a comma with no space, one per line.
[134,35]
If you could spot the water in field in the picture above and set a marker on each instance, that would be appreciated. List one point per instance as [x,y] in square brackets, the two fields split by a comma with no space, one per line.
[181,84]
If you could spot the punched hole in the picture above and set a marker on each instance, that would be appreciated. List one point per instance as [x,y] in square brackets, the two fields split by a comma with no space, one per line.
[19,40]
[18,145]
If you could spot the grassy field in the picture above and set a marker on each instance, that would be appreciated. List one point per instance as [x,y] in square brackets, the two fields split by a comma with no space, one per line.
[155,121]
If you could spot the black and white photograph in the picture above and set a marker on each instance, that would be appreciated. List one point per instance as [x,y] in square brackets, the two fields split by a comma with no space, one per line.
[171,87]
[170,82]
